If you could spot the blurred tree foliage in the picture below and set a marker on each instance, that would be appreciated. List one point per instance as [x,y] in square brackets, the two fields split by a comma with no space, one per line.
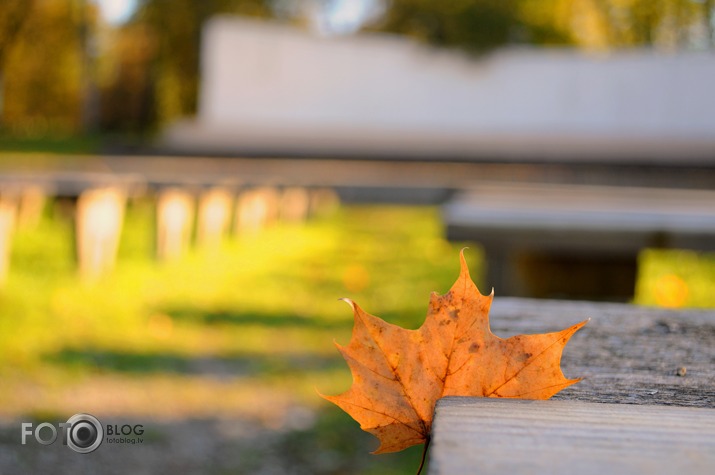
[12,16]
[477,25]
[59,62]
[62,69]
[482,25]
[176,29]
[664,24]
[125,78]
[40,65]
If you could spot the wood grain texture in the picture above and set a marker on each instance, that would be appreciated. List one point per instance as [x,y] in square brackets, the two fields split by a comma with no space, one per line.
[509,436]
[626,354]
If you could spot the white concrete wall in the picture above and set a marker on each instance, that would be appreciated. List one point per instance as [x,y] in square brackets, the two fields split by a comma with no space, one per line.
[272,89]
[264,73]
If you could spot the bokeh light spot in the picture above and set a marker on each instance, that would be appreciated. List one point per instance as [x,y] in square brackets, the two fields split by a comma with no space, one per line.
[671,291]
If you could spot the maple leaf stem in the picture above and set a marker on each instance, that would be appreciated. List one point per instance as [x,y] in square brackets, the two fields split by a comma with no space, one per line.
[424,455]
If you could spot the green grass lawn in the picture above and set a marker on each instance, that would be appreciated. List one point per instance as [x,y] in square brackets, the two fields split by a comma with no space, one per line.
[244,332]
[52,143]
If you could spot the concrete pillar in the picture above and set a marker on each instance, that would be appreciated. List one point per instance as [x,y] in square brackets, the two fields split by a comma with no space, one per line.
[256,209]
[32,203]
[8,207]
[323,201]
[100,213]
[295,203]
[175,221]
[214,217]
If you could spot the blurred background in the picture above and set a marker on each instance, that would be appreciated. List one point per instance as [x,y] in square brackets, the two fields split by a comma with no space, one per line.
[187,187]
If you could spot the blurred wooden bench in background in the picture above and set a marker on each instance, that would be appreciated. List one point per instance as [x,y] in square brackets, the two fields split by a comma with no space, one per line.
[555,240]
[555,234]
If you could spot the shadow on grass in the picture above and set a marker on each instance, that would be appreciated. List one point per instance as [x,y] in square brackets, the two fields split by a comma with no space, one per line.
[224,366]
[198,315]
[335,444]
[325,441]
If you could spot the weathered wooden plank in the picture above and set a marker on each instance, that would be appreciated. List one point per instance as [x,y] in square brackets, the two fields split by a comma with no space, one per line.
[626,354]
[506,436]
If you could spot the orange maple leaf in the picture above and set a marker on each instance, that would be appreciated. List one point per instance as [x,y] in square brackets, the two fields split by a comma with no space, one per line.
[399,374]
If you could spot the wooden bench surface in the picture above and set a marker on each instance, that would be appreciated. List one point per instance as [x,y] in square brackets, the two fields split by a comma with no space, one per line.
[626,353]
[629,358]
[500,436]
